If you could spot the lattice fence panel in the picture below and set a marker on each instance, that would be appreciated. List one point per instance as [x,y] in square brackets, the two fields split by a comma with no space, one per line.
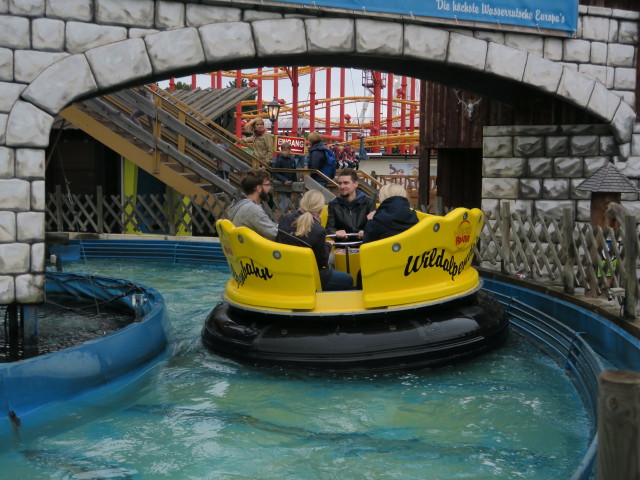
[537,249]
[165,213]
[487,250]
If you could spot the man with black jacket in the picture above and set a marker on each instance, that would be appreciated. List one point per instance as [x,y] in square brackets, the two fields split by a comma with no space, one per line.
[348,211]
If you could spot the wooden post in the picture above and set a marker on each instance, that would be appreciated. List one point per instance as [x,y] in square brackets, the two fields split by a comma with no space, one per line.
[14,332]
[29,330]
[59,208]
[618,425]
[505,229]
[630,257]
[424,174]
[172,213]
[100,209]
[567,231]
[439,207]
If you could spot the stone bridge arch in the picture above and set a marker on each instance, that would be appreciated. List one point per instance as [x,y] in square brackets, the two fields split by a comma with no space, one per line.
[425,52]
[60,51]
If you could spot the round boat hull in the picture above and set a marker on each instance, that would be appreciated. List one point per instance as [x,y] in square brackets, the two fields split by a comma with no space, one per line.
[376,340]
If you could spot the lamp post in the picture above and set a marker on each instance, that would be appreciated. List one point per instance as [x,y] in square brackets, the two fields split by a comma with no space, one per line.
[273,110]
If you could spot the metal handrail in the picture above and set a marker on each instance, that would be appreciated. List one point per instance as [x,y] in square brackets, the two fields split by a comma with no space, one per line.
[571,352]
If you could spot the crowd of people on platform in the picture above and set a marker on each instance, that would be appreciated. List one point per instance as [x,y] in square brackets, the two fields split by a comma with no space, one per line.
[351,214]
[262,142]
[346,156]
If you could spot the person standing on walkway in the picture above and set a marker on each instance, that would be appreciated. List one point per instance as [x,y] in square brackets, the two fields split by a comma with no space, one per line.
[261,141]
[285,160]
[316,156]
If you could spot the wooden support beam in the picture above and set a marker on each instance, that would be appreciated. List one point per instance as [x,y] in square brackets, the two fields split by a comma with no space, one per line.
[618,425]
[567,234]
[505,217]
[630,259]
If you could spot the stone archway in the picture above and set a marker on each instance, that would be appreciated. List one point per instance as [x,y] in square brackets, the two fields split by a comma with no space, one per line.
[360,42]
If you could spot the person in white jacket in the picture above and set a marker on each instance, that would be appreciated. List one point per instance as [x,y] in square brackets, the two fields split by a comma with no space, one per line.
[248,212]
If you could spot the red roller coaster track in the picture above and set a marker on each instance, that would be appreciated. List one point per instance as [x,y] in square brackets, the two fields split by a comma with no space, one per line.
[395,106]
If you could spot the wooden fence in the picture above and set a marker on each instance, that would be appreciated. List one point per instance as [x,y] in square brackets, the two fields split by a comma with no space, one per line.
[562,252]
[170,214]
[601,262]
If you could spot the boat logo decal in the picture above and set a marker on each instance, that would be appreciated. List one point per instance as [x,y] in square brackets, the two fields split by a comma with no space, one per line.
[435,258]
[463,233]
[250,268]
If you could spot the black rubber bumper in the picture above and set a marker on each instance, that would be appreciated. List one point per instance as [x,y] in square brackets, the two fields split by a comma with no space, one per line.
[380,340]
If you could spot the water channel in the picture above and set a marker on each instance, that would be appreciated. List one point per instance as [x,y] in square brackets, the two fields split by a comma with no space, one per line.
[511,414]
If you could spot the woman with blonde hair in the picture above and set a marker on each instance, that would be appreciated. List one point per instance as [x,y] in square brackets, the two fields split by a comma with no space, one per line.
[261,140]
[393,216]
[302,228]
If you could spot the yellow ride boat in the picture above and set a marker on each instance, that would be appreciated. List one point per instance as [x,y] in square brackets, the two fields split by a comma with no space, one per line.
[420,303]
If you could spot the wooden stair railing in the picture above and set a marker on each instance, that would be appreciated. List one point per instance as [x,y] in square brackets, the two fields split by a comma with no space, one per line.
[179,150]
[109,126]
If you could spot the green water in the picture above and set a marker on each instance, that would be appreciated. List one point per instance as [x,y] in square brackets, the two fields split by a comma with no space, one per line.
[511,414]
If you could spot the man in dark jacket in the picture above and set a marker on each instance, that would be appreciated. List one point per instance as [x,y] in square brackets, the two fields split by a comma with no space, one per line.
[348,211]
[286,160]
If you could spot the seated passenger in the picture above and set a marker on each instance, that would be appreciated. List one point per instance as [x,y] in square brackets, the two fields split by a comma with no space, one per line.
[394,215]
[302,228]
[348,212]
[247,212]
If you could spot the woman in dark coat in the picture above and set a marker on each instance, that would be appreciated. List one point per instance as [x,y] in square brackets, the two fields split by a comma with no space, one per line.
[302,228]
[393,216]
[316,156]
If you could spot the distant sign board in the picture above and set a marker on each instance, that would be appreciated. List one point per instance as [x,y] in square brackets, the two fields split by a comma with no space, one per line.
[297,144]
[396,168]
[538,14]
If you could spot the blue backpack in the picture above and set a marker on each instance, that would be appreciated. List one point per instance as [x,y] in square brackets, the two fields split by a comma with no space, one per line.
[330,164]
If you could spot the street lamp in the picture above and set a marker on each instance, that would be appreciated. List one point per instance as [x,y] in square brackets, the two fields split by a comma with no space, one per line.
[273,110]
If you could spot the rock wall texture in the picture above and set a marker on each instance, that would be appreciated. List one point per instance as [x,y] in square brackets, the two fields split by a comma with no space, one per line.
[538,168]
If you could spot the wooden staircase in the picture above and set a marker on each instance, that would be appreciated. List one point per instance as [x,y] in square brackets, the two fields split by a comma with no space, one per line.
[176,148]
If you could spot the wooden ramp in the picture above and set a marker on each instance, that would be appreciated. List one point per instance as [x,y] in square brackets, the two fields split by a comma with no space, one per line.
[176,148]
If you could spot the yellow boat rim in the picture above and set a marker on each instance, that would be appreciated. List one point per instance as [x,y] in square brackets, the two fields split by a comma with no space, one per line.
[428,264]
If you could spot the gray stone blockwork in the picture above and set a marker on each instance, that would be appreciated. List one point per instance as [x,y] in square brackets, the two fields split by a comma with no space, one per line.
[53,52]
[543,165]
